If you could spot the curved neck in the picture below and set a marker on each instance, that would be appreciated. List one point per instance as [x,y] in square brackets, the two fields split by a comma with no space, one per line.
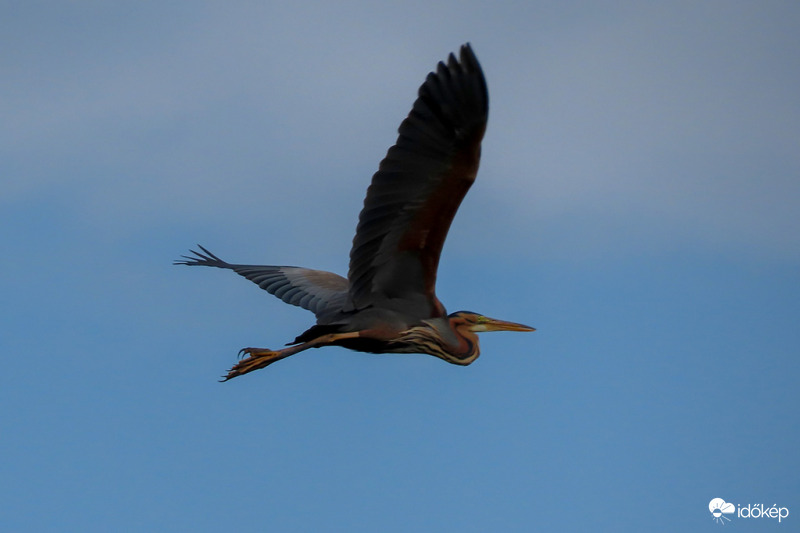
[468,346]
[449,339]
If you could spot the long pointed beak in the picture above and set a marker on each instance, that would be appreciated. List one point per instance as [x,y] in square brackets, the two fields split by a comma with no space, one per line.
[492,324]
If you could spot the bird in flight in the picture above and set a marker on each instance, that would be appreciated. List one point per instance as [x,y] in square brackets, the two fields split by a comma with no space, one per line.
[388,303]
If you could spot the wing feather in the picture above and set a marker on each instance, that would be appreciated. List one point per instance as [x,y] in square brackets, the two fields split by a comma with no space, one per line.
[322,293]
[417,190]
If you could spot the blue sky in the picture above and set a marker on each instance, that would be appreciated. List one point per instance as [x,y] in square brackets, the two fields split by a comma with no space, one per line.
[637,203]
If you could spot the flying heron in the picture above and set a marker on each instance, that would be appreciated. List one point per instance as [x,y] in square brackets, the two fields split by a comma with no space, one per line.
[388,303]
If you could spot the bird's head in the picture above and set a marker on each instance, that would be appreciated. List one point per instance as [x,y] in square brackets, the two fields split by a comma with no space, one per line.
[479,323]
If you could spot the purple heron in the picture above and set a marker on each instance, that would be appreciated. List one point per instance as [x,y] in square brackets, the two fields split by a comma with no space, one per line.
[388,303]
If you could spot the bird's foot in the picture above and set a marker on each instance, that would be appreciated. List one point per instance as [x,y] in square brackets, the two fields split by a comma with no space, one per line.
[256,359]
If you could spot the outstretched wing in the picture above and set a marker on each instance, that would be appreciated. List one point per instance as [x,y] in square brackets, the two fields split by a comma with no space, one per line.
[417,190]
[322,293]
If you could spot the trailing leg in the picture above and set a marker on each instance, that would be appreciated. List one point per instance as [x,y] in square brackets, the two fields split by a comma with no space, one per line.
[258,358]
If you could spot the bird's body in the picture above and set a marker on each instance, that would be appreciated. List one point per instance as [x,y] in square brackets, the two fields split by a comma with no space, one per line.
[387,303]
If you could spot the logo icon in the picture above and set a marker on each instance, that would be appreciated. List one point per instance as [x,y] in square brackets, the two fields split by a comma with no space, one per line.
[719,508]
